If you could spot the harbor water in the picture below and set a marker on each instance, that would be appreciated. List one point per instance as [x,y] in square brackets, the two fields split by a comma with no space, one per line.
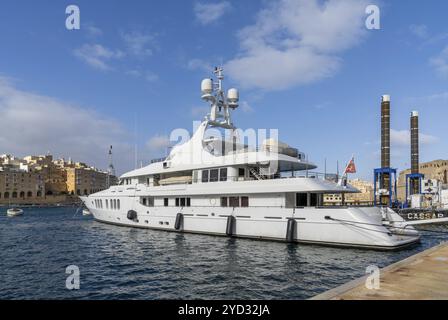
[125,263]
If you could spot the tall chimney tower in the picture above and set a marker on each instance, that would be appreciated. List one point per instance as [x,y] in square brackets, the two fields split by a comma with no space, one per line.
[385,178]
[385,131]
[414,152]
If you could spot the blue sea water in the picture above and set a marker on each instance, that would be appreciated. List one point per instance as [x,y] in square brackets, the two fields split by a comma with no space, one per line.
[125,263]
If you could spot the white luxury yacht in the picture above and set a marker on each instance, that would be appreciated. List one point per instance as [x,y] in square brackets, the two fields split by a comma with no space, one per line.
[224,187]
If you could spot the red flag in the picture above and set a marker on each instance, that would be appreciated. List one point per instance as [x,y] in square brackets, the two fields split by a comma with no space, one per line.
[351,168]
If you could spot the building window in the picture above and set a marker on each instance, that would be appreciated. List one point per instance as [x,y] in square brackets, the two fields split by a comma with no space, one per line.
[165,202]
[234,202]
[244,201]
[223,174]
[204,175]
[224,202]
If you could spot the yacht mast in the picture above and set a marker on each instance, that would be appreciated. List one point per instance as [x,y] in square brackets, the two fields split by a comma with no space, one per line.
[220,104]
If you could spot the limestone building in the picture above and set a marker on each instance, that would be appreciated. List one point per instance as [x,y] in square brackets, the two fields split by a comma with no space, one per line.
[437,169]
[365,197]
[40,180]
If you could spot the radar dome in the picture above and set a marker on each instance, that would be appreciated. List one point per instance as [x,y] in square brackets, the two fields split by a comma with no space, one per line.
[207,86]
[233,95]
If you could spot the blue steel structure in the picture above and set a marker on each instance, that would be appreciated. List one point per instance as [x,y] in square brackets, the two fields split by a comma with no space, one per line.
[409,178]
[378,175]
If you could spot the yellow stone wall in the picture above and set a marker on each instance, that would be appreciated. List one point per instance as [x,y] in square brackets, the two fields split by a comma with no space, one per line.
[437,169]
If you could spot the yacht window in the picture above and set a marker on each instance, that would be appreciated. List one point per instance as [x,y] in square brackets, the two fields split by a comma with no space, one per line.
[182,202]
[118,204]
[241,172]
[244,201]
[204,175]
[188,202]
[301,199]
[214,175]
[234,201]
[165,202]
[313,200]
[223,174]
[144,201]
[223,201]
[107,204]
[177,202]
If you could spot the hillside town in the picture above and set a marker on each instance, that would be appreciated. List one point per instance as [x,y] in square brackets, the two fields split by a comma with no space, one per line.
[44,181]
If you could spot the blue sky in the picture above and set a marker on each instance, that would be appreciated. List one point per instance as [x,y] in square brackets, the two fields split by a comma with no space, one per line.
[131,74]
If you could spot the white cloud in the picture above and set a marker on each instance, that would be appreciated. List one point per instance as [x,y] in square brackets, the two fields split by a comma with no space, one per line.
[207,13]
[98,56]
[146,75]
[420,30]
[34,124]
[200,111]
[296,42]
[151,76]
[139,44]
[158,144]
[433,100]
[440,62]
[92,30]
[402,138]
[246,107]
[199,64]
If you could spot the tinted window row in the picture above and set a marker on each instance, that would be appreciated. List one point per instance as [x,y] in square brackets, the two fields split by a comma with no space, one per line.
[180,202]
[113,204]
[234,201]
[214,175]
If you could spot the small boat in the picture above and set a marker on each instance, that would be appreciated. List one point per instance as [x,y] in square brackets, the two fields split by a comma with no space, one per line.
[86,212]
[14,212]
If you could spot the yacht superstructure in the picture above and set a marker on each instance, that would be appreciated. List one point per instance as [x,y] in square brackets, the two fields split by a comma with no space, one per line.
[224,187]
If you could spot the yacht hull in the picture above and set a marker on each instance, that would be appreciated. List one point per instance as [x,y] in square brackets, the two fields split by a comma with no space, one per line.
[344,227]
